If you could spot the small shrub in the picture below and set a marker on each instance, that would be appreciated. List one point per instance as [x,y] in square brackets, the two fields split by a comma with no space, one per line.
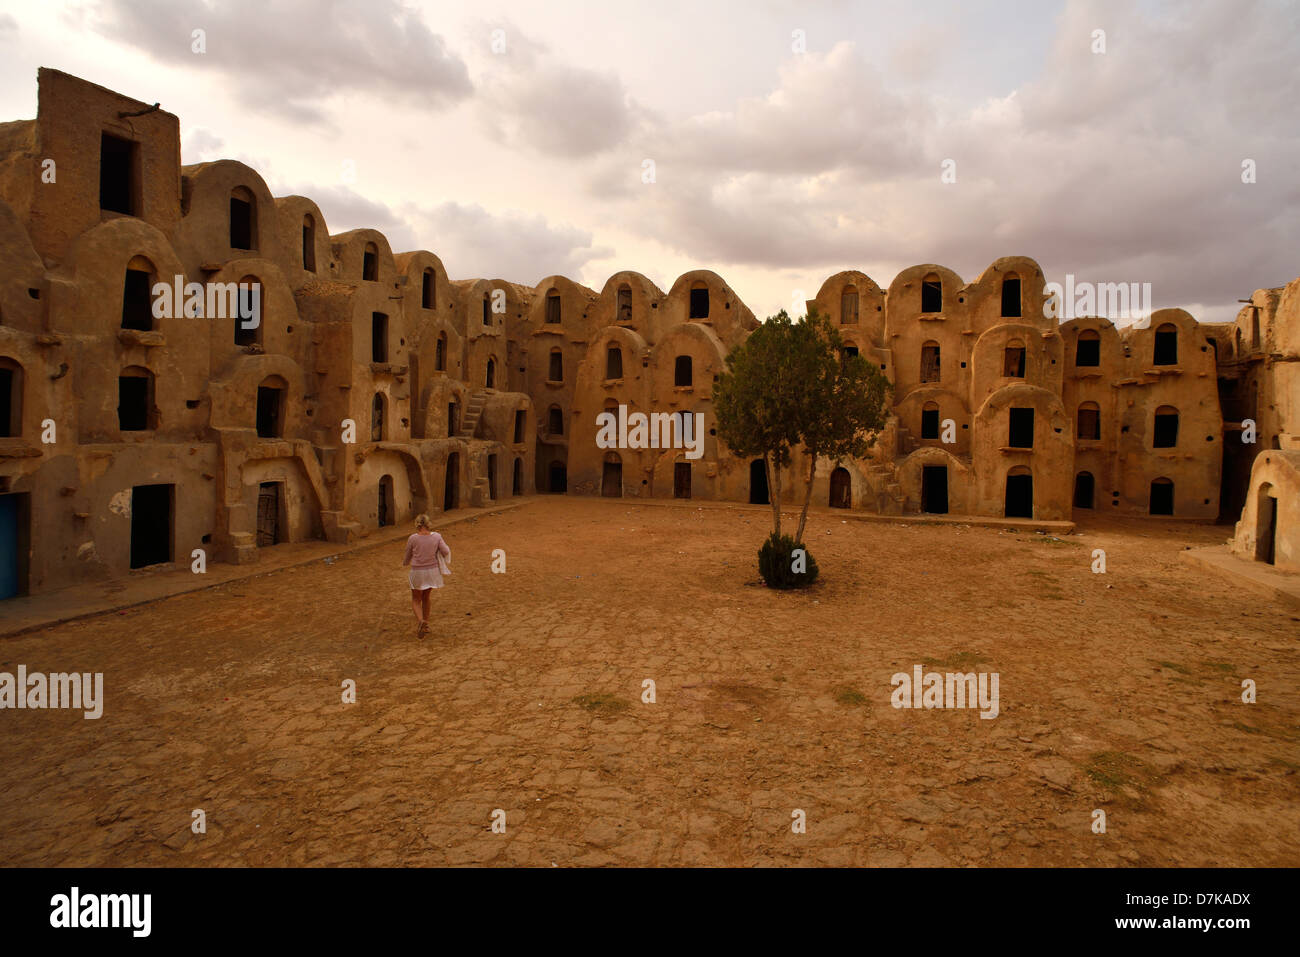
[775,563]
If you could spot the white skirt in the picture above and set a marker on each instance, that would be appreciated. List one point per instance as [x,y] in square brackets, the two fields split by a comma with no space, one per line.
[422,578]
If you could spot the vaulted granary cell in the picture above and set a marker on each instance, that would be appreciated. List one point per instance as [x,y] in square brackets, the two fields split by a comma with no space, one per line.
[699,304]
[135,400]
[930,420]
[137,306]
[1013,360]
[930,362]
[243,219]
[683,374]
[553,307]
[427,300]
[1087,350]
[378,337]
[1165,351]
[1089,421]
[934,489]
[1165,432]
[270,407]
[623,307]
[370,263]
[557,478]
[931,294]
[849,306]
[249,319]
[1011,297]
[1020,428]
[614,363]
[555,373]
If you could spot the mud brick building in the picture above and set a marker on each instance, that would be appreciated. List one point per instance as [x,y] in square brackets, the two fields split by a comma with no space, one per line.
[130,439]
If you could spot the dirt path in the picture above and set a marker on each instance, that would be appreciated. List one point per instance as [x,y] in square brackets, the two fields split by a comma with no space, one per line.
[1118,691]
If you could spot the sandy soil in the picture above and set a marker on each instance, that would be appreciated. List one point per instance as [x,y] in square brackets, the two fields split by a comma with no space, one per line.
[1118,691]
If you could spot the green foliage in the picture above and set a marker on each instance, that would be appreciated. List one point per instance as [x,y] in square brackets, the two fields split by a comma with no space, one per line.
[776,562]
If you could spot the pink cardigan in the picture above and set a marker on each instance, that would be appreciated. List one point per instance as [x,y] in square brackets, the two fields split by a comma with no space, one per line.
[422,550]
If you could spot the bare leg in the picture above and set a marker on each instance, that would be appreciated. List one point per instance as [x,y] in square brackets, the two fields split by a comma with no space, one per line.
[426,595]
[417,604]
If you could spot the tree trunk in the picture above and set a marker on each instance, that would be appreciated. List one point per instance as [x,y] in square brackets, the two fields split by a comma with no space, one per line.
[773,491]
[803,517]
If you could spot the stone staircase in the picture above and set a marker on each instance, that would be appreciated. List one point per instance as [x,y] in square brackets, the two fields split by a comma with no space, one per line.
[473,412]
[907,443]
[890,499]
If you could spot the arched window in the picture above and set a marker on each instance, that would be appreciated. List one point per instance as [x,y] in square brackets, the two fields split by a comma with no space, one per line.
[1087,350]
[930,362]
[440,353]
[849,306]
[248,315]
[683,375]
[243,219]
[137,287]
[377,418]
[378,337]
[699,301]
[624,305]
[11,398]
[553,307]
[556,372]
[1166,345]
[1013,360]
[487,311]
[1089,421]
[930,420]
[614,363]
[491,378]
[1162,497]
[1019,502]
[135,400]
[932,294]
[428,283]
[841,488]
[1010,296]
[309,243]
[1164,434]
[555,420]
[370,263]
[270,407]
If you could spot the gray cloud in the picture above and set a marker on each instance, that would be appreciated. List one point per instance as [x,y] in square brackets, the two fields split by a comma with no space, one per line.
[287,58]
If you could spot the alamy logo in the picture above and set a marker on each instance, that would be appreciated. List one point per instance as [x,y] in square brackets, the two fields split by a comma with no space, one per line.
[102,910]
[1110,300]
[57,690]
[658,430]
[213,300]
[946,690]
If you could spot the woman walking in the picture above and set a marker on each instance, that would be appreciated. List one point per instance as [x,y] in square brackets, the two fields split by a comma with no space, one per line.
[427,554]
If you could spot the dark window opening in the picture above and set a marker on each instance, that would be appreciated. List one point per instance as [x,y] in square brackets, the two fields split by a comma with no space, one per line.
[624,304]
[553,307]
[758,494]
[517,479]
[1165,435]
[440,354]
[249,301]
[387,503]
[930,362]
[556,372]
[1021,431]
[492,477]
[451,485]
[378,337]
[841,489]
[487,315]
[117,166]
[1013,362]
[270,412]
[308,244]
[614,363]
[1166,346]
[1087,351]
[137,310]
[611,480]
[134,402]
[849,307]
[558,478]
[1089,423]
[370,264]
[932,295]
[1010,298]
[699,304]
[1020,496]
[1083,490]
[270,499]
[555,421]
[426,290]
[681,480]
[11,422]
[490,380]
[452,411]
[377,418]
[519,425]
[241,224]
[683,374]
[929,423]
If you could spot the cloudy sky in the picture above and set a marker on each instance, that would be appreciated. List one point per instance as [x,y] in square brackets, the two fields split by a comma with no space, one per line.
[789,140]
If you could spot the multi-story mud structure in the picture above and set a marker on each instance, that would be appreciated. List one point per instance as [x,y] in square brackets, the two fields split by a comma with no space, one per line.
[134,431]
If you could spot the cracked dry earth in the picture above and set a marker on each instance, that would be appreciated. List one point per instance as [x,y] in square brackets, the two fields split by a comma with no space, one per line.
[1118,691]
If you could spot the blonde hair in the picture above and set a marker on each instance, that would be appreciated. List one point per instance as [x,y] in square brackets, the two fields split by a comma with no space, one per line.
[422,521]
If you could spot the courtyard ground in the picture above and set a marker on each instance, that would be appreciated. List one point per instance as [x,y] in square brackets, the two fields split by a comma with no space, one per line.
[1119,692]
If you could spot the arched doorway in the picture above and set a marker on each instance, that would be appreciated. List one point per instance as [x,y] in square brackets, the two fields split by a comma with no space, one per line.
[758,483]
[841,488]
[1162,497]
[1084,490]
[387,502]
[517,481]
[451,497]
[611,485]
[492,477]
[491,373]
[1265,525]
[559,478]
[1020,493]
[934,489]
